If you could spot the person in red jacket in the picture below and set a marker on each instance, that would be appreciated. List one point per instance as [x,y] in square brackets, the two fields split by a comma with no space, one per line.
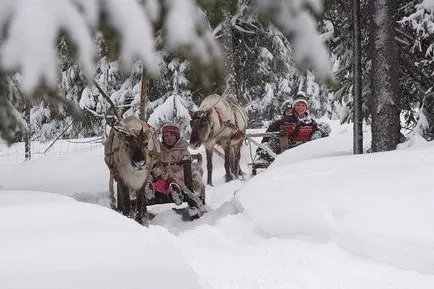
[169,178]
[301,127]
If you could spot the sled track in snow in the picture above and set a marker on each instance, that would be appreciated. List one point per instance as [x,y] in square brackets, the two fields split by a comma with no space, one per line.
[222,204]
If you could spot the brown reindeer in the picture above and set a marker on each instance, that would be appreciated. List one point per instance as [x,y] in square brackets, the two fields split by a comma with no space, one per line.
[222,122]
[131,151]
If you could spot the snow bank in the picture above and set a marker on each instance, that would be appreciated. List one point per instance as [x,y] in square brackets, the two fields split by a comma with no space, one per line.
[68,244]
[66,174]
[365,204]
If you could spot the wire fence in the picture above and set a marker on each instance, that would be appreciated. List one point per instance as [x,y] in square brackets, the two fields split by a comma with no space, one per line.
[14,154]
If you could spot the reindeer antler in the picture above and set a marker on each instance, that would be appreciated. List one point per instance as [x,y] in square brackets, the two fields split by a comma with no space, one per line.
[108,100]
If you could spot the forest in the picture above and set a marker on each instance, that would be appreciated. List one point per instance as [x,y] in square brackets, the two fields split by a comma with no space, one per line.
[259,53]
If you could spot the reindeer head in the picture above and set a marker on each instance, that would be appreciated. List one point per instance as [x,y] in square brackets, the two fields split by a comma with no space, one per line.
[140,144]
[201,124]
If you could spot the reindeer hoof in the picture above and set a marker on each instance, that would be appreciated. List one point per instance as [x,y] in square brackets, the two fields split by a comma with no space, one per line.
[229,178]
[145,219]
[113,205]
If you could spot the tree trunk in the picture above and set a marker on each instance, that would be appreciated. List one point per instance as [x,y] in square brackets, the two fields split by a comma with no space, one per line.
[357,89]
[228,48]
[143,95]
[427,114]
[27,132]
[384,76]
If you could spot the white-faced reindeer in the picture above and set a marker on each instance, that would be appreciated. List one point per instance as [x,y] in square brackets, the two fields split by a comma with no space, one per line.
[131,151]
[222,122]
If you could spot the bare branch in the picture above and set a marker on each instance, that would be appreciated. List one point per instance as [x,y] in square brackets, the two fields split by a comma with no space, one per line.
[115,111]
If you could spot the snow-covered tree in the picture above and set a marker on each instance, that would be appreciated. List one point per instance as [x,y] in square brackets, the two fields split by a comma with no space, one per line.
[416,39]
[33,53]
[174,102]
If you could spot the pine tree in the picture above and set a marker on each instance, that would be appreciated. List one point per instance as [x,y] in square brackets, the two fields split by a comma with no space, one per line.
[416,41]
[10,121]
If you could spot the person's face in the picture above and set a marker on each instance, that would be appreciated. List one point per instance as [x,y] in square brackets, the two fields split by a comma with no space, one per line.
[287,112]
[169,138]
[300,108]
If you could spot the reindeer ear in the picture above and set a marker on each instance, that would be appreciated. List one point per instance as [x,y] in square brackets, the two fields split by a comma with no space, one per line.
[121,129]
[209,112]
[201,114]
[111,120]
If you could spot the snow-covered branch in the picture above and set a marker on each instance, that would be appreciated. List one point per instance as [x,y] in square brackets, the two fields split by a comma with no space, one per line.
[33,27]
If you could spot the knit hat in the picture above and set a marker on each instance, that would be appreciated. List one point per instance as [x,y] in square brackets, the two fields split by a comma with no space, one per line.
[286,105]
[300,97]
[173,128]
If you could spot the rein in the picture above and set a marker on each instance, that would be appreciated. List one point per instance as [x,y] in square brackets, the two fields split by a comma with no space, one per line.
[223,124]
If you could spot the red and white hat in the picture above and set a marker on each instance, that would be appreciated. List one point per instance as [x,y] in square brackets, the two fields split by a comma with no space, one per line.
[300,97]
[173,128]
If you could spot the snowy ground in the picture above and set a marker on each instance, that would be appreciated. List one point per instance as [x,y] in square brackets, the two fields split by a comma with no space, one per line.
[319,217]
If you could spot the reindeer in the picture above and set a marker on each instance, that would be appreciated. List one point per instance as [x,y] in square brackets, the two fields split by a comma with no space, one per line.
[222,122]
[131,151]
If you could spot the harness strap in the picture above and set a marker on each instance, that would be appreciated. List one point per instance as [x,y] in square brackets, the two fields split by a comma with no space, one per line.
[225,124]
[150,127]
[219,116]
[222,127]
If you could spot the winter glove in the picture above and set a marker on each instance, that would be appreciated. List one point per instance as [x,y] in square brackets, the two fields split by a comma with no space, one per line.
[324,128]
[315,135]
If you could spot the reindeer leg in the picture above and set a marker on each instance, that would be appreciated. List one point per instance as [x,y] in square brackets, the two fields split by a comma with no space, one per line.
[142,215]
[112,193]
[209,153]
[139,207]
[232,160]
[227,150]
[237,149]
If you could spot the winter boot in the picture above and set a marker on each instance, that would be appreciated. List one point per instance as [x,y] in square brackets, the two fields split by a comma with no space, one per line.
[191,213]
[176,193]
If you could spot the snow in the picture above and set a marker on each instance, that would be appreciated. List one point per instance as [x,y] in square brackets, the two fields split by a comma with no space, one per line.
[293,19]
[32,33]
[61,243]
[318,217]
[30,45]
[32,28]
[427,4]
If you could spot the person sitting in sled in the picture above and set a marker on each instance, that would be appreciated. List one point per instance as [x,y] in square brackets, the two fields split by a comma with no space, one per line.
[301,127]
[169,178]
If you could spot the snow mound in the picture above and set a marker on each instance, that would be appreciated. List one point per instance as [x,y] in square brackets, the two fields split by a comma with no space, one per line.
[69,244]
[365,204]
